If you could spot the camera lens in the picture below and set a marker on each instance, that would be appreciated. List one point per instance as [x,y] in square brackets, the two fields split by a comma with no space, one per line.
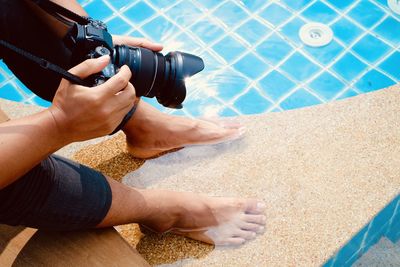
[155,75]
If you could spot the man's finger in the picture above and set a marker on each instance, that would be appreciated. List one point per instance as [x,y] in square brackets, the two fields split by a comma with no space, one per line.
[90,66]
[117,82]
[142,42]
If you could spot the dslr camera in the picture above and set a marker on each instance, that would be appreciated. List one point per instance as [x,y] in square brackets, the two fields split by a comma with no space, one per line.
[153,74]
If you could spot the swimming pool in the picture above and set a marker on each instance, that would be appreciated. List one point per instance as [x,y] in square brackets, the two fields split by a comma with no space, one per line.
[256,62]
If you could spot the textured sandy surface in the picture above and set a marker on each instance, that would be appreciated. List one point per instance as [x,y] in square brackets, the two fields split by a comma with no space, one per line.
[323,171]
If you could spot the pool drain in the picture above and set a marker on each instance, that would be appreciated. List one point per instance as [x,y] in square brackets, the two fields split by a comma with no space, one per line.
[316,34]
[394,5]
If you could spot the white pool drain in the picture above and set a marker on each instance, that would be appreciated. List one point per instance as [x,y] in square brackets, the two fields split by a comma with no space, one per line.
[316,34]
[394,5]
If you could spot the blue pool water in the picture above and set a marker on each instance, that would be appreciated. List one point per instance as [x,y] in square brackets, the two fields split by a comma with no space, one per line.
[256,62]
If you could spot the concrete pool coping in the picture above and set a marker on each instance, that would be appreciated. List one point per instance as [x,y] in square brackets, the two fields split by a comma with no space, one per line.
[325,172]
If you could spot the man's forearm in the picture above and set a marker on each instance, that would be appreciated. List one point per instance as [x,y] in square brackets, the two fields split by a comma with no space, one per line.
[24,143]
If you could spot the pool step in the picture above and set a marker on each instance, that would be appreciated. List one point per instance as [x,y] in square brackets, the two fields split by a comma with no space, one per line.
[384,253]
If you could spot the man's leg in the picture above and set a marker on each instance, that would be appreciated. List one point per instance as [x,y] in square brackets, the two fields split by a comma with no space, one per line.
[220,221]
[150,132]
[59,194]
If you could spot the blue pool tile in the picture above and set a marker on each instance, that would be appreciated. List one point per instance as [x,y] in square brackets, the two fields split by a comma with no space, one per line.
[296,4]
[299,67]
[319,12]
[160,4]
[252,102]
[274,49]
[349,73]
[9,92]
[159,29]
[23,89]
[41,102]
[330,262]
[251,66]
[391,65]
[230,86]
[276,85]
[373,80]
[380,223]
[327,86]
[389,29]
[340,4]
[348,93]
[230,14]
[393,232]
[207,31]
[211,62]
[292,28]
[228,112]
[351,248]
[98,10]
[370,48]
[184,13]
[300,98]
[2,78]
[121,4]
[5,68]
[187,43]
[199,106]
[253,5]
[209,4]
[326,54]
[346,31]
[229,48]
[139,12]
[366,13]
[137,34]
[253,31]
[118,26]
[275,14]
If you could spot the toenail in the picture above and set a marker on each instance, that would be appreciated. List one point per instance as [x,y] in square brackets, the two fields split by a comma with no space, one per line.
[261,229]
[261,206]
[263,219]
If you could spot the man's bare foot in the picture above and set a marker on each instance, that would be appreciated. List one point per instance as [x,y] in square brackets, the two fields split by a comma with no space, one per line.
[151,132]
[219,221]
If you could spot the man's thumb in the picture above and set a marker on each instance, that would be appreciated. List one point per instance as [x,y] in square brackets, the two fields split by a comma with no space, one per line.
[90,66]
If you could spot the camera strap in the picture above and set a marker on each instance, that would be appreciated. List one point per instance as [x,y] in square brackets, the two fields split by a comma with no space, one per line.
[45,64]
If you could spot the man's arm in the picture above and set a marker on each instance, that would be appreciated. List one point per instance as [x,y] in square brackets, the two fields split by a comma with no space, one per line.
[78,113]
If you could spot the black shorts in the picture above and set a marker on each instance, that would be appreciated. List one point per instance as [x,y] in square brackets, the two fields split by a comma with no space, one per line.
[58,194]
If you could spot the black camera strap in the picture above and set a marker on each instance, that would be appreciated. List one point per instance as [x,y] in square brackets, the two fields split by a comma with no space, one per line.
[44,64]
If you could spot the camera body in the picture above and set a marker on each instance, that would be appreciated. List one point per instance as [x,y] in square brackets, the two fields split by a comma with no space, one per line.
[153,74]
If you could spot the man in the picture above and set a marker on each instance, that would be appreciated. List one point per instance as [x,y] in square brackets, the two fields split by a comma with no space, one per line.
[40,190]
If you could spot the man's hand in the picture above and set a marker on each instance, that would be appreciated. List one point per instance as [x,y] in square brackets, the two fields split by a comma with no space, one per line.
[83,113]
[133,41]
